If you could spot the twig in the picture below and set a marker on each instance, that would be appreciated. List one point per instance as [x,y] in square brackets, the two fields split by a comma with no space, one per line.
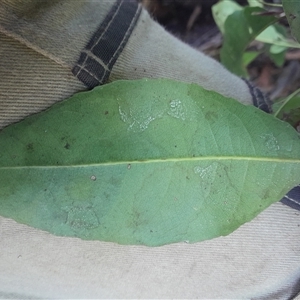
[269,4]
[195,14]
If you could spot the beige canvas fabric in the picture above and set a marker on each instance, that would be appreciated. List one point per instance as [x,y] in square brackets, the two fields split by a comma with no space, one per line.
[161,55]
[260,260]
[40,42]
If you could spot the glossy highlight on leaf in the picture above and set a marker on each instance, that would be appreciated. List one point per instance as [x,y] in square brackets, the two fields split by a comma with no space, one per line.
[146,162]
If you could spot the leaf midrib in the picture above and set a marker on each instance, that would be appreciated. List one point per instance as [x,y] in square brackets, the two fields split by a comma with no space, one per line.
[196,159]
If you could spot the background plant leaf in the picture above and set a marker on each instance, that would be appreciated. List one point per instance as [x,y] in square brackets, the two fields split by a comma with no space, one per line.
[255,3]
[145,162]
[292,11]
[222,10]
[238,37]
[249,56]
[276,35]
[288,109]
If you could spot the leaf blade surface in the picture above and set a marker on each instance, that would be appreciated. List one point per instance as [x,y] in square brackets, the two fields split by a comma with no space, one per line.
[145,162]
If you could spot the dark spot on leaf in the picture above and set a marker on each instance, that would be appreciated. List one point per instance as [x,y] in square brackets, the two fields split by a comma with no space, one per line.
[175,146]
[211,116]
[29,147]
[106,112]
[106,195]
[67,146]
[187,177]
[266,194]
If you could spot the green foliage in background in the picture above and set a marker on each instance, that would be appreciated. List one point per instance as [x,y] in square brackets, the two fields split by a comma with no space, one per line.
[241,28]
[145,162]
[292,11]
[241,25]
[289,109]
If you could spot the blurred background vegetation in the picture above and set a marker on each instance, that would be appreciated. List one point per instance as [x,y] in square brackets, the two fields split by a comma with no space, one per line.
[250,38]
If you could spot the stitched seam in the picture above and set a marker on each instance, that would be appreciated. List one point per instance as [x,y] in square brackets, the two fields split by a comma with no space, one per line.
[99,39]
[96,58]
[106,59]
[292,200]
[125,35]
[124,40]
[108,25]
[91,74]
[91,55]
[34,47]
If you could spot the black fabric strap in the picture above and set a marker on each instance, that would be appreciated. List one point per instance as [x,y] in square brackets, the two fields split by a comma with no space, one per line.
[260,100]
[292,198]
[100,54]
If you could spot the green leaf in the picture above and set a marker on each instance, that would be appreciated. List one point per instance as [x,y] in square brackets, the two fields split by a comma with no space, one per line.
[145,162]
[277,54]
[249,56]
[255,3]
[274,34]
[289,109]
[241,28]
[292,11]
[222,10]
[277,36]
